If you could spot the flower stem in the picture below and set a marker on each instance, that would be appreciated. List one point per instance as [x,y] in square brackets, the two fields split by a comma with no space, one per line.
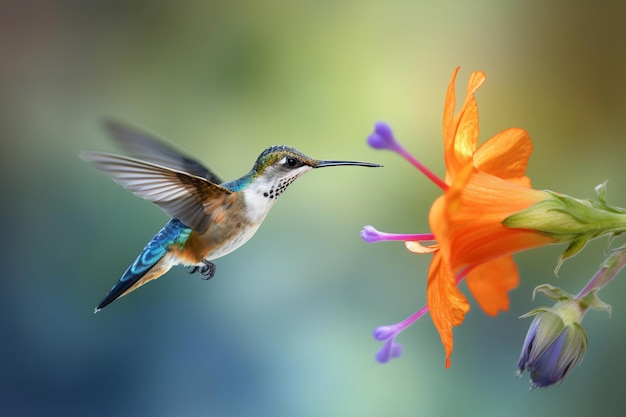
[609,269]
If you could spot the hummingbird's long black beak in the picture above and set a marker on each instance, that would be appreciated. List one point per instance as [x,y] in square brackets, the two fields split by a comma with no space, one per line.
[323,164]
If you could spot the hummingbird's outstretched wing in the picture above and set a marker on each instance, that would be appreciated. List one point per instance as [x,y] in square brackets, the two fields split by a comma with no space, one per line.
[192,199]
[142,144]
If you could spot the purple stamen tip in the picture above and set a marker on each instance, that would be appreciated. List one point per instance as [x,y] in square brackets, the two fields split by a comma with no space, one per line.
[382,137]
[396,350]
[384,332]
[371,235]
[389,351]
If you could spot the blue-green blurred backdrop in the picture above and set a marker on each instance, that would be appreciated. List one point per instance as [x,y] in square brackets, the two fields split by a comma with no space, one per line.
[285,327]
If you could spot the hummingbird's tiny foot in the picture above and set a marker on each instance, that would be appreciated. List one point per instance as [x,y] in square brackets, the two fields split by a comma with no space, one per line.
[207,270]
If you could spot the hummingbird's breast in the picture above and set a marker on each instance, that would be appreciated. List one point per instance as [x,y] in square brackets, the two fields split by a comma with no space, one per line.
[259,198]
[231,226]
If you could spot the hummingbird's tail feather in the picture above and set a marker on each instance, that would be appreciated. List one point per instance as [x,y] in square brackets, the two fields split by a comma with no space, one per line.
[153,261]
[135,276]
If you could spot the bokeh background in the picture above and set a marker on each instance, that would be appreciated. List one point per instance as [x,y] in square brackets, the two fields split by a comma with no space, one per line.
[284,329]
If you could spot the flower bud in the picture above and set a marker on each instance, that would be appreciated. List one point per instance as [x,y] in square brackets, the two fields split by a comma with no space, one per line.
[555,343]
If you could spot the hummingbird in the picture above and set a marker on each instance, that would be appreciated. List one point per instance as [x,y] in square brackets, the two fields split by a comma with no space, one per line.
[209,218]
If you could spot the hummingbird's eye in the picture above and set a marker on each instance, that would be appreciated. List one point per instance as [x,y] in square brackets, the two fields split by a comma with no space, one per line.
[292,162]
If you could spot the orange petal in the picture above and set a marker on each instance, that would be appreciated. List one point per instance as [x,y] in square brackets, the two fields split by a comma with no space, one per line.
[466,138]
[476,80]
[470,220]
[444,208]
[460,133]
[505,155]
[491,282]
[439,225]
[446,303]
[448,116]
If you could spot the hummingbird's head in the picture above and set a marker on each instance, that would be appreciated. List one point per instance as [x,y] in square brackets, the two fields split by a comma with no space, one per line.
[280,165]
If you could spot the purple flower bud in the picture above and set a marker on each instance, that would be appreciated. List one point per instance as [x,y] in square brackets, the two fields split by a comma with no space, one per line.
[555,343]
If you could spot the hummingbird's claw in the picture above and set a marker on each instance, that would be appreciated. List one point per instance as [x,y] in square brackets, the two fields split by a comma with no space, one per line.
[207,270]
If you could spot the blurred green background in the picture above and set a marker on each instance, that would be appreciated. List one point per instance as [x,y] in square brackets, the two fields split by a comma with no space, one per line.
[285,327]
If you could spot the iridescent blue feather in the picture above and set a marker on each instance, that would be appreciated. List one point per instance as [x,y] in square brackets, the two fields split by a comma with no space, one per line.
[173,233]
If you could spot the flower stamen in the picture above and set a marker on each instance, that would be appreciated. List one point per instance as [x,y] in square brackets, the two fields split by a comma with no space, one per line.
[371,235]
[383,138]
[391,349]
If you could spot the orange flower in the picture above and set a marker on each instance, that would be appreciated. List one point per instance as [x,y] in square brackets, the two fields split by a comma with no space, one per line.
[486,184]
[483,186]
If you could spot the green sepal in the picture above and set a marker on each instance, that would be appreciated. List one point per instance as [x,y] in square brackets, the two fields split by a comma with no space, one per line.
[601,191]
[571,220]
[601,202]
[552,292]
[567,218]
[592,300]
[572,249]
[538,310]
